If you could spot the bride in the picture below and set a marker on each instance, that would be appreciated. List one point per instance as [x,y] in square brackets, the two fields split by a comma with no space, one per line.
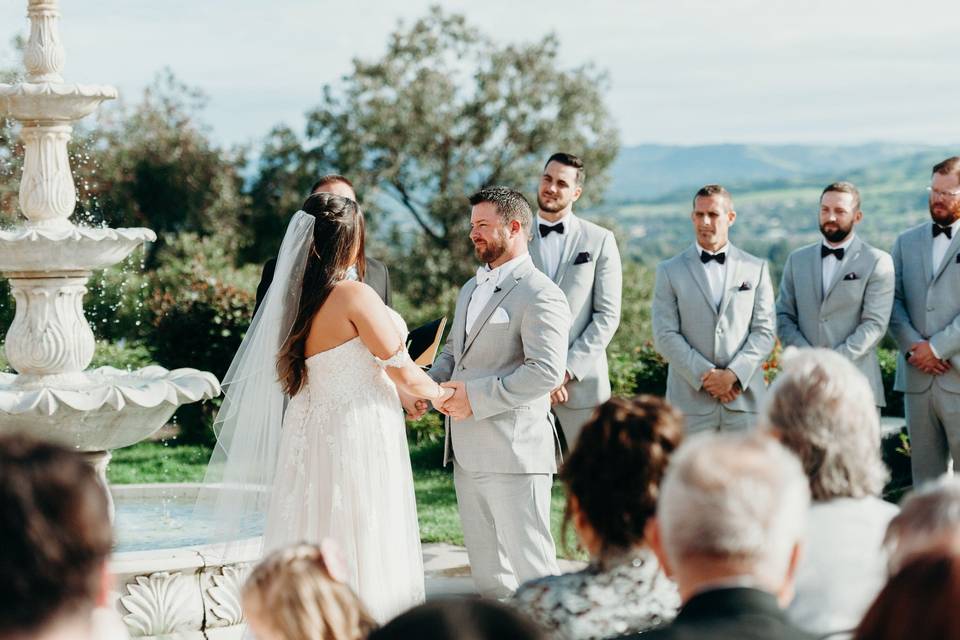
[324,344]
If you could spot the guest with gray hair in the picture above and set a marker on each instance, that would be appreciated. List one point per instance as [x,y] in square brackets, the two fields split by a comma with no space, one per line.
[822,408]
[929,520]
[729,528]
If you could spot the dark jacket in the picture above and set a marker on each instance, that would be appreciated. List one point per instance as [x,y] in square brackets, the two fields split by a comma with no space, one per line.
[377,277]
[729,614]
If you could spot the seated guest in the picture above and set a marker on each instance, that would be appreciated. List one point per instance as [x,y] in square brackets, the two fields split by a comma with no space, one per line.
[460,620]
[729,529]
[300,593]
[612,479]
[823,409]
[929,519]
[55,538]
[919,601]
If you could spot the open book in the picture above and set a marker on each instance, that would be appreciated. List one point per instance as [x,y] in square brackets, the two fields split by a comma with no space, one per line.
[423,343]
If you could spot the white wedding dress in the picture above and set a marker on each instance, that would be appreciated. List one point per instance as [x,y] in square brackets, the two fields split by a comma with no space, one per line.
[344,473]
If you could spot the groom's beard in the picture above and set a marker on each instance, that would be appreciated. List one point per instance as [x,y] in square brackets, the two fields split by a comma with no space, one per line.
[487,252]
[835,233]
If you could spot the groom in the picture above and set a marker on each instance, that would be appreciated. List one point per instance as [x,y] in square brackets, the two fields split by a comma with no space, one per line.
[506,352]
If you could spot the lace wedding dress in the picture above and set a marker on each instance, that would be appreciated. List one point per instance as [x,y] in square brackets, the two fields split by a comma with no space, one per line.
[344,473]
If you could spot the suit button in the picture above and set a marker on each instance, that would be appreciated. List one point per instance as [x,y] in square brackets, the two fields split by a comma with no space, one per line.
[930,308]
[719,330]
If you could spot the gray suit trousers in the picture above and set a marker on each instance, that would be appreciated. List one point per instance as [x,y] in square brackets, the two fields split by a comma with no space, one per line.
[933,421]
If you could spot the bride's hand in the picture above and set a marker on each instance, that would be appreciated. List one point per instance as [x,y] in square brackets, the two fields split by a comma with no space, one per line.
[445,394]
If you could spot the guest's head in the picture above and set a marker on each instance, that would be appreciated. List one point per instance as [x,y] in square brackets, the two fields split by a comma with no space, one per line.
[929,519]
[712,216]
[839,211]
[55,537]
[338,238]
[822,408]
[460,620]
[732,507]
[919,601]
[613,474]
[336,184]
[945,191]
[297,593]
[561,184]
[500,222]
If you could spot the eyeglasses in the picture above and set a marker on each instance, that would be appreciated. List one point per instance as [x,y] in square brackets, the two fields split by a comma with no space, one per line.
[936,193]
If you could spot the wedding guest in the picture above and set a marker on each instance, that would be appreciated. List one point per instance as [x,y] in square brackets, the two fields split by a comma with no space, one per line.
[460,620]
[919,601]
[376,274]
[300,593]
[612,478]
[929,519]
[55,538]
[823,408]
[729,530]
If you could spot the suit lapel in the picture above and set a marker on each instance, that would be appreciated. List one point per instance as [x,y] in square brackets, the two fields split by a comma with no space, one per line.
[926,252]
[535,247]
[947,257]
[815,266]
[505,288]
[570,244]
[853,252]
[731,277]
[460,317]
[692,259]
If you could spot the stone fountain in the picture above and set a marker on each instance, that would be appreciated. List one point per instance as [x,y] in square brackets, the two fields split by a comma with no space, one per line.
[180,585]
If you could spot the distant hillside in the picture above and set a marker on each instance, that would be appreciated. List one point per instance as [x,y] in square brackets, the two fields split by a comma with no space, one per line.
[649,172]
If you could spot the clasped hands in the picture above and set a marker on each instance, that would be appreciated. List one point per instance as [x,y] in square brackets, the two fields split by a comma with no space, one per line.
[921,356]
[722,384]
[453,402]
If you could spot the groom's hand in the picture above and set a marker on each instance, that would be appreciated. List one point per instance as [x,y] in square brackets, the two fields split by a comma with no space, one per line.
[413,407]
[560,395]
[458,406]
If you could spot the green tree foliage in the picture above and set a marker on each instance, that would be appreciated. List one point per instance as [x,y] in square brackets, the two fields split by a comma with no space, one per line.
[443,112]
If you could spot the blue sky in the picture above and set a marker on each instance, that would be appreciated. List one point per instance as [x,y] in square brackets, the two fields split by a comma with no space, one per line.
[682,71]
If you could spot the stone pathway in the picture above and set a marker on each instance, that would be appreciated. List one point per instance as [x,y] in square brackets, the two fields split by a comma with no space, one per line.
[448,570]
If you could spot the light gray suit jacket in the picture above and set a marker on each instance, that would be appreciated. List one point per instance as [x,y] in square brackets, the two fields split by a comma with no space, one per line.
[510,369]
[694,337]
[591,277]
[926,307]
[851,318]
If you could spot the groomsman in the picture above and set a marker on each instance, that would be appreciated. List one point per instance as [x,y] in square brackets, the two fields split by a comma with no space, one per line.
[837,293]
[583,260]
[714,321]
[926,324]
[376,276]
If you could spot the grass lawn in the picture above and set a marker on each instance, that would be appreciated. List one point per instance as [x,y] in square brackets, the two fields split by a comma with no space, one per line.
[436,500]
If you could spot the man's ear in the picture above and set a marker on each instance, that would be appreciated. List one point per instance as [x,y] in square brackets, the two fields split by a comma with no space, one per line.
[577,193]
[651,533]
[731,216]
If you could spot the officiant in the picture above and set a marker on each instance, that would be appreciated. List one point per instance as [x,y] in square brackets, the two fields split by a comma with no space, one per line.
[376,274]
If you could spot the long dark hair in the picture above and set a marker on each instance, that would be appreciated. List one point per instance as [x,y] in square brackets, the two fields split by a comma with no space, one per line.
[338,236]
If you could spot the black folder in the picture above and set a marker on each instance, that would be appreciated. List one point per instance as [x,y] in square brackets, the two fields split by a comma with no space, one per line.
[424,341]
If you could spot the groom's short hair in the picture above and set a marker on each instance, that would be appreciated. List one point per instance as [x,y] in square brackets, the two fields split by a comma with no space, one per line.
[55,535]
[510,205]
[331,178]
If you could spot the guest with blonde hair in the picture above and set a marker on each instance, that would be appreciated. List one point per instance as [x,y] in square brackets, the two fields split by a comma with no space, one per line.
[300,593]
[823,408]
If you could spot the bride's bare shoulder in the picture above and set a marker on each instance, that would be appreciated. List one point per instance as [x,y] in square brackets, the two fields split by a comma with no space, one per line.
[352,292]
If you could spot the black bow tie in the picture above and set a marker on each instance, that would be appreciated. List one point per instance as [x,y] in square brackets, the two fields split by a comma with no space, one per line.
[826,251]
[546,229]
[707,257]
[937,230]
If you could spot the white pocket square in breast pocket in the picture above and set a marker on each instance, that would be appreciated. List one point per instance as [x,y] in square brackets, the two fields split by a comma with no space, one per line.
[499,316]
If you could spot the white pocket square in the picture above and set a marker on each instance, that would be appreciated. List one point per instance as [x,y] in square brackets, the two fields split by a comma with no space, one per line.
[499,316]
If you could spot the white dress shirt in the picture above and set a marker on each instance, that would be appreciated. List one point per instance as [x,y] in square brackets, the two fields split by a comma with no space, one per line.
[716,274]
[551,246]
[830,265]
[941,243]
[487,281]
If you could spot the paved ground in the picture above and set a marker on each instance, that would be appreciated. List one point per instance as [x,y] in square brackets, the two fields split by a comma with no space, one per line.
[448,570]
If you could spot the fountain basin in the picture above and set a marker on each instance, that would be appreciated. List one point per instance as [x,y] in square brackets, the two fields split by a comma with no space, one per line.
[100,409]
[171,579]
[52,102]
[36,250]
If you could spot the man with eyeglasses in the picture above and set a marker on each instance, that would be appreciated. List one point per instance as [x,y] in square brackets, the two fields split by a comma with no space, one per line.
[926,325]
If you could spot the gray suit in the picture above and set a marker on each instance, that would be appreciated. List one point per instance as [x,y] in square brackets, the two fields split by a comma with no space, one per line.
[504,454]
[927,307]
[694,336]
[591,277]
[851,317]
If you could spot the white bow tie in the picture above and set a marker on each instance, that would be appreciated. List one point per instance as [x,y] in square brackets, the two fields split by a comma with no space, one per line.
[485,275]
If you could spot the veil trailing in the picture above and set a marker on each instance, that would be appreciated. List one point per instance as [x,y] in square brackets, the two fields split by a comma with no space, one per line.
[236,488]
